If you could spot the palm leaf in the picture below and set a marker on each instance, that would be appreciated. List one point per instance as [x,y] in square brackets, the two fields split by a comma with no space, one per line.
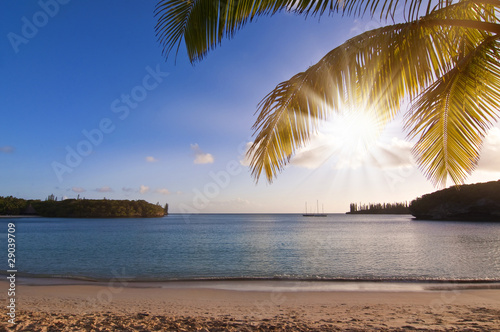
[454,114]
[204,23]
[445,62]
[376,71]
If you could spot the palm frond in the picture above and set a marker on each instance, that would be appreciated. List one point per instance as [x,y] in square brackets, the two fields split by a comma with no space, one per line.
[453,115]
[293,110]
[284,123]
[445,62]
[202,24]
[375,70]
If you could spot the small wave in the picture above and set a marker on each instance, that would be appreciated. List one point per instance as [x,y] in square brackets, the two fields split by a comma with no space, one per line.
[262,283]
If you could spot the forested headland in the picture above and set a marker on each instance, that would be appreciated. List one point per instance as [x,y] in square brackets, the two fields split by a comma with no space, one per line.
[474,202]
[81,208]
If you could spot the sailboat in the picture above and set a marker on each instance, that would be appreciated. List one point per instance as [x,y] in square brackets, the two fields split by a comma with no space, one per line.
[317,214]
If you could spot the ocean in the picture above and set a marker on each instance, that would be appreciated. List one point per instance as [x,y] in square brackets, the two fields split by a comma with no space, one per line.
[339,247]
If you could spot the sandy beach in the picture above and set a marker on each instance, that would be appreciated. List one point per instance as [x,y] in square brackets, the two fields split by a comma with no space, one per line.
[112,307]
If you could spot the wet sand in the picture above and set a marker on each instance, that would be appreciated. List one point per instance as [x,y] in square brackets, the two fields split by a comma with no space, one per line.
[112,307]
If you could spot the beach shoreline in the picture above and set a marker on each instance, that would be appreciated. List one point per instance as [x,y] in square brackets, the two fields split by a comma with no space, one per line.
[118,306]
[267,284]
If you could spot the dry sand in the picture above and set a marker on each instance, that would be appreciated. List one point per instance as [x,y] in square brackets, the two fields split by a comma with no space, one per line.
[110,307]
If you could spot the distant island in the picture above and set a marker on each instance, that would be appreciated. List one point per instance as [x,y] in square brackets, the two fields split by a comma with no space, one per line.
[81,208]
[379,208]
[473,202]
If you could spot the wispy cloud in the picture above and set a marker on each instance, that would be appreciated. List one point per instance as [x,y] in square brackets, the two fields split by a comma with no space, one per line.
[104,189]
[151,159]
[162,191]
[245,159]
[7,149]
[490,153]
[231,203]
[238,201]
[393,155]
[78,189]
[200,156]
[315,153]
[143,189]
[128,190]
[312,156]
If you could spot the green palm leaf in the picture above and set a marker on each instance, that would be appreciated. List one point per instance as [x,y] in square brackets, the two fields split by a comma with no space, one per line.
[445,63]
[384,66]
[454,114]
[204,23]
[375,70]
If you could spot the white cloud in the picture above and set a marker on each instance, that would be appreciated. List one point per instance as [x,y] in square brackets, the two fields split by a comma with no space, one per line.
[240,201]
[6,149]
[151,159]
[162,191]
[200,156]
[128,190]
[314,153]
[78,189]
[231,203]
[354,161]
[312,157]
[490,153]
[245,159]
[319,150]
[143,189]
[104,189]
[393,155]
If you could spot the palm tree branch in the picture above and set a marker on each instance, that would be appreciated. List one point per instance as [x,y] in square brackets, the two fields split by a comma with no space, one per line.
[202,24]
[292,111]
[376,70]
[453,115]
[495,3]
[483,26]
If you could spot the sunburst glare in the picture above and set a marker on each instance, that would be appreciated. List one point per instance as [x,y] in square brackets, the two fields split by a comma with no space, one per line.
[347,137]
[352,133]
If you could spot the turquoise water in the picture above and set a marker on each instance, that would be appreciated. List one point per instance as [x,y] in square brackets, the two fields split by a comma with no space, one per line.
[253,246]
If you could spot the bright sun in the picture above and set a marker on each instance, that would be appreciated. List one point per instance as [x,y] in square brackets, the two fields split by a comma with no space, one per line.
[352,133]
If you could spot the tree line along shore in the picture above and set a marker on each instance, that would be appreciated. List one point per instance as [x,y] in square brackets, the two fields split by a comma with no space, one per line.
[379,208]
[472,202]
[81,208]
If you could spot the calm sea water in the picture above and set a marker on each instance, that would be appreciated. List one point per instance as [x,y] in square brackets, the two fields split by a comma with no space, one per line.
[338,247]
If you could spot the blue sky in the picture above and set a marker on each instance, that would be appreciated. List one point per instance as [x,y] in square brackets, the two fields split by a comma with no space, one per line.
[89,107]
